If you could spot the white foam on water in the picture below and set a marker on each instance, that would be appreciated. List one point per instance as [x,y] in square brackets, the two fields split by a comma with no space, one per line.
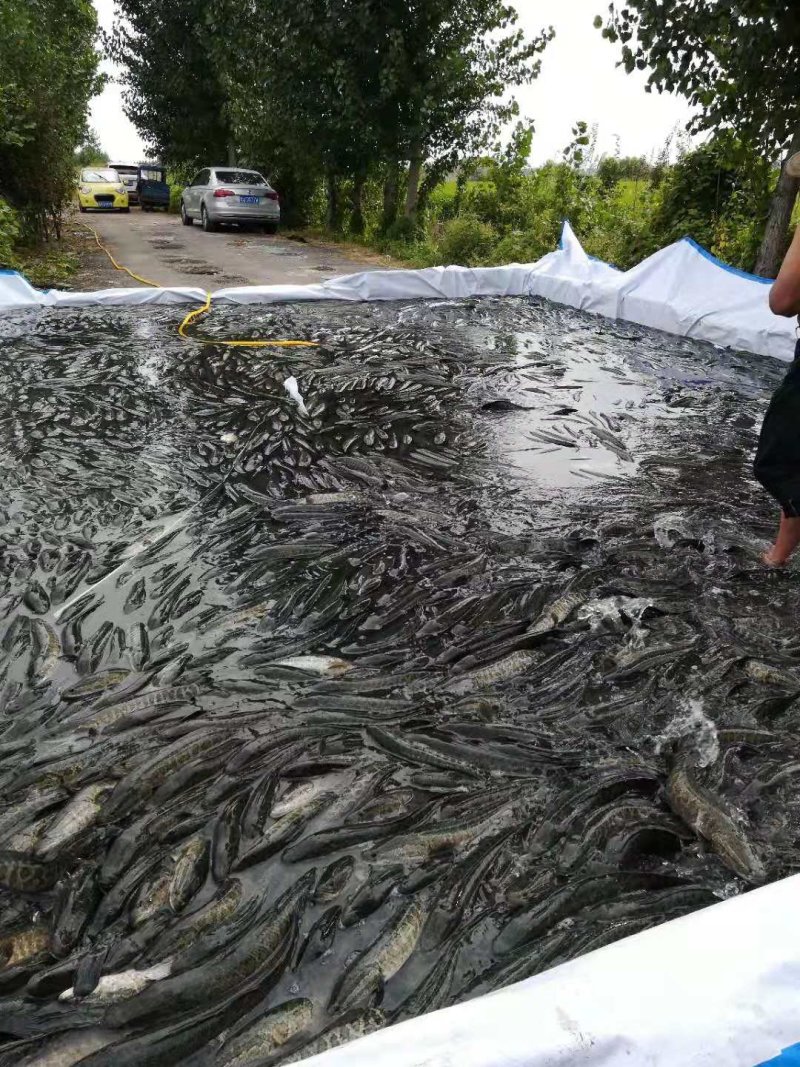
[693,725]
[666,526]
[148,369]
[618,610]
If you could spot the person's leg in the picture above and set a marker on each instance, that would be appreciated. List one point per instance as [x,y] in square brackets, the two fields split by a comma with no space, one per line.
[785,543]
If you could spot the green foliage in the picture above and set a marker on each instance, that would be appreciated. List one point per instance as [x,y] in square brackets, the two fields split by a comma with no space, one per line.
[443,201]
[467,242]
[9,235]
[345,90]
[48,73]
[737,63]
[614,169]
[519,247]
[719,194]
[498,211]
[174,92]
[90,151]
[481,200]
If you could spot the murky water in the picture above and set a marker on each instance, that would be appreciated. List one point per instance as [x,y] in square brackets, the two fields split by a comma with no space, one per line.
[317,718]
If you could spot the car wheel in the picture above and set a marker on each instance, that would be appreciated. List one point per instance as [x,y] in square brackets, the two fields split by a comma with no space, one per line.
[186,219]
[82,209]
[205,221]
[125,210]
[270,227]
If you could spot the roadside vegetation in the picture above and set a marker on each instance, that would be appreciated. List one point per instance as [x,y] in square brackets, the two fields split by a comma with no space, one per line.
[394,125]
[623,208]
[48,75]
[388,124]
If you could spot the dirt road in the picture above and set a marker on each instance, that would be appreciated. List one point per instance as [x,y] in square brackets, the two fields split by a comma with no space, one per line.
[156,246]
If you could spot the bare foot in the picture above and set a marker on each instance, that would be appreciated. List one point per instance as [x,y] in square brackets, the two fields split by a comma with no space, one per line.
[770,560]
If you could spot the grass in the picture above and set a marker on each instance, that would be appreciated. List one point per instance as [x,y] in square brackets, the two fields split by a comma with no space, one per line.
[413,253]
[47,267]
[52,264]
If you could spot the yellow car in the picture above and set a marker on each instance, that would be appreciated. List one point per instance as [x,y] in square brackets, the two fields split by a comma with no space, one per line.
[101,189]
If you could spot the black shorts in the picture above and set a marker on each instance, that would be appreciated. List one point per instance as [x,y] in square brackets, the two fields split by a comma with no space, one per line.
[777,463]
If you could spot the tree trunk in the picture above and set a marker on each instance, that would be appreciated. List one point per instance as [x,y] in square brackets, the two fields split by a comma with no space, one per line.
[334,208]
[773,245]
[231,154]
[391,190]
[412,190]
[357,204]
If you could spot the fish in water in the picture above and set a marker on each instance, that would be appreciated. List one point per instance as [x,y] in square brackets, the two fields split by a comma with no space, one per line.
[707,817]
[365,978]
[329,666]
[114,987]
[312,701]
[268,1034]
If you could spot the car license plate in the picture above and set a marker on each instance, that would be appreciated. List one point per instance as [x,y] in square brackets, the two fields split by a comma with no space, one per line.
[249,199]
[104,203]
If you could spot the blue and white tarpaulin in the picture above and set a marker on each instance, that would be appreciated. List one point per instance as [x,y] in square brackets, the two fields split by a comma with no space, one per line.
[717,988]
[682,289]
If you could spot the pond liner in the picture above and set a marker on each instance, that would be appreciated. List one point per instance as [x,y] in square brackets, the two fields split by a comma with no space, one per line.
[681,289]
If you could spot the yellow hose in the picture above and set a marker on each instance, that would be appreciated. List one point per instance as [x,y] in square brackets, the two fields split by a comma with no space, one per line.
[117,266]
[190,318]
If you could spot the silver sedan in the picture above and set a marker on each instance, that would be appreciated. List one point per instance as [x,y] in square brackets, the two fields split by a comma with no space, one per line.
[230,194]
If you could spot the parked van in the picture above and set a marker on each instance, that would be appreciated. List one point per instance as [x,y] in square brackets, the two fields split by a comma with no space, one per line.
[129,175]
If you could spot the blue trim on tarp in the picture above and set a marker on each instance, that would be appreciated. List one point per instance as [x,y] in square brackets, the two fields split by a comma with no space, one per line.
[4,270]
[698,248]
[726,266]
[790,1057]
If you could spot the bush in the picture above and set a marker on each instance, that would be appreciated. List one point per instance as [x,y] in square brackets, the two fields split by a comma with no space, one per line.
[9,235]
[519,247]
[481,201]
[443,202]
[467,242]
[401,229]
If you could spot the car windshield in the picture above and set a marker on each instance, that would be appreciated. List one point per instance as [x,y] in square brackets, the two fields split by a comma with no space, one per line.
[151,175]
[127,172]
[100,176]
[240,177]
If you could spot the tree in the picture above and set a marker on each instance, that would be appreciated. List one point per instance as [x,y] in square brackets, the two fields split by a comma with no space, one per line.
[705,187]
[175,93]
[449,70]
[737,64]
[614,169]
[90,151]
[339,89]
[48,74]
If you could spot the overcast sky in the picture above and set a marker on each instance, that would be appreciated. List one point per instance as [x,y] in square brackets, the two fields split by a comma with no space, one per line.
[579,80]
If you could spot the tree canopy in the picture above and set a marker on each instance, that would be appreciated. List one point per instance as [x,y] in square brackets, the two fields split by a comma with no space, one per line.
[339,87]
[737,63]
[48,74]
[173,92]
[90,151]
